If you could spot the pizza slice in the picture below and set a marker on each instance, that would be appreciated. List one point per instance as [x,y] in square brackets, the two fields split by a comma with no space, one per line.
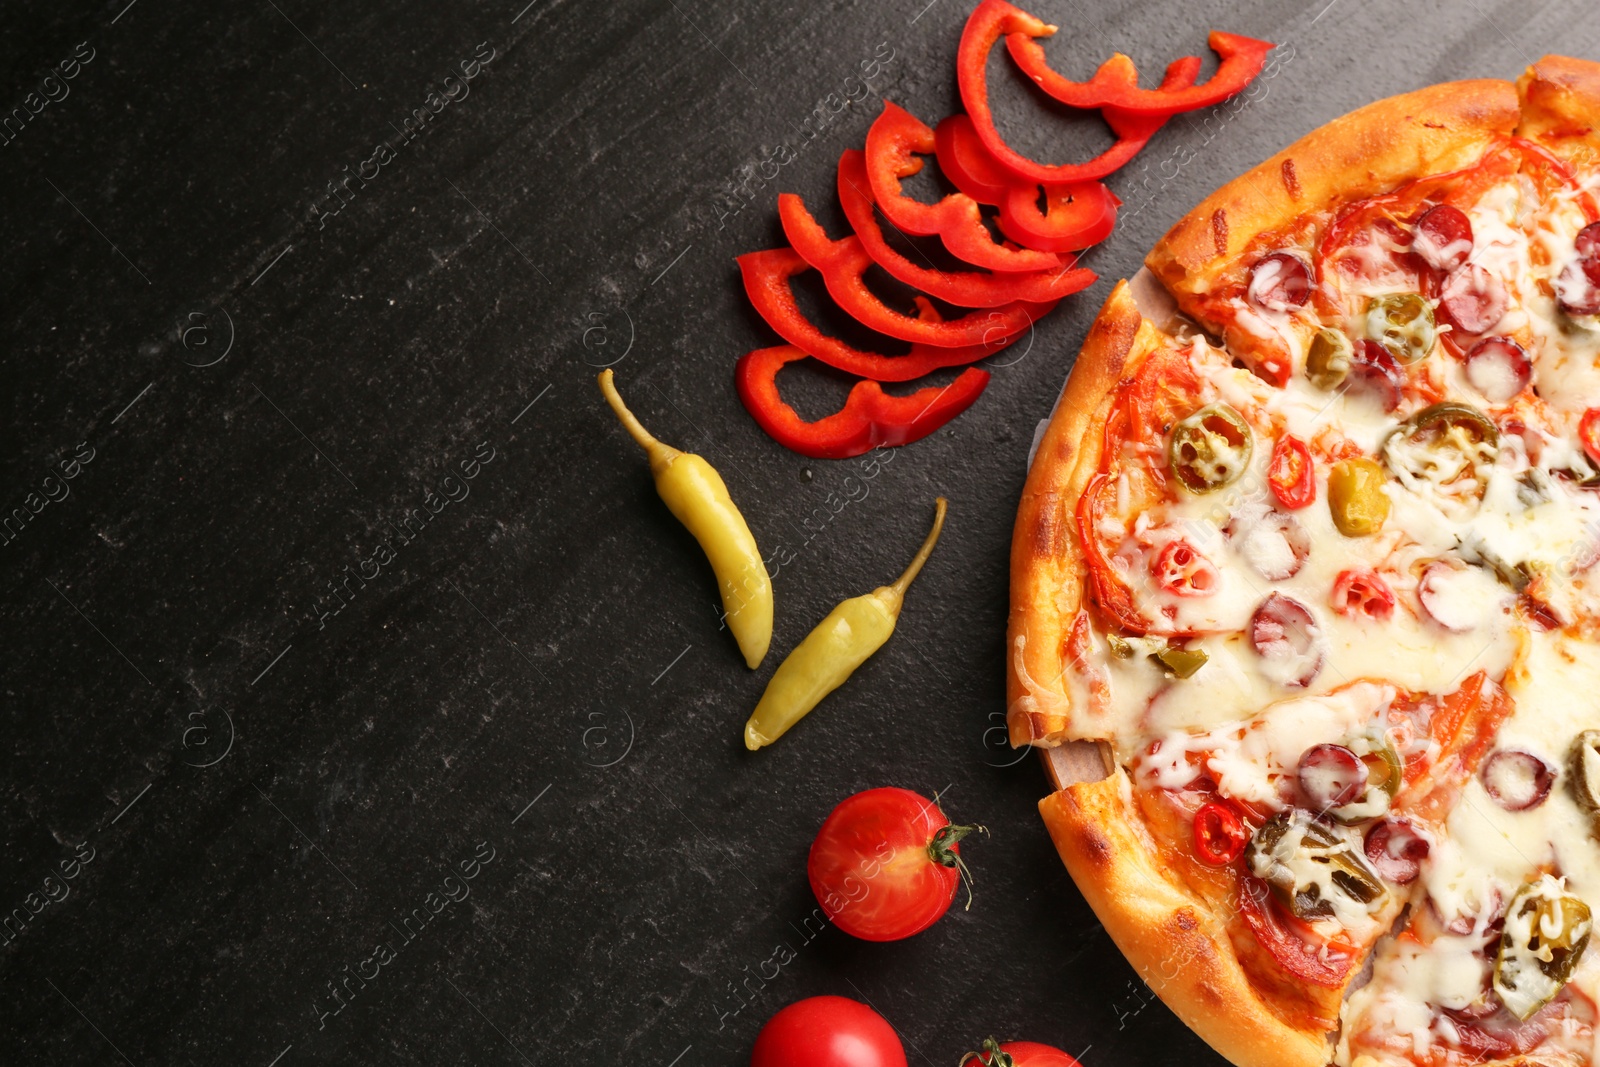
[1247,869]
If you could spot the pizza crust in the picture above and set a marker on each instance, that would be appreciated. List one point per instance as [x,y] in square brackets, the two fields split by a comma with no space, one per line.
[1561,107]
[1370,150]
[1047,581]
[1176,942]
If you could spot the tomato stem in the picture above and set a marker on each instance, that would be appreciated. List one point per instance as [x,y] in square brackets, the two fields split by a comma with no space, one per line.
[991,1056]
[941,852]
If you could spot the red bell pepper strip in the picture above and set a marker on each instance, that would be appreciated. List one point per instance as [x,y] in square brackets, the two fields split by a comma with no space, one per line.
[895,140]
[1116,83]
[870,417]
[1075,216]
[1111,594]
[994,19]
[843,265]
[968,165]
[972,289]
[766,282]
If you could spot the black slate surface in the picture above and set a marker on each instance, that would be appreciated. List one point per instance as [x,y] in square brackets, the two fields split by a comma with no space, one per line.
[253,382]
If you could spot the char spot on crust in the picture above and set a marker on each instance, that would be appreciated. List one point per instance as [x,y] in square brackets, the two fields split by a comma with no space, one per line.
[1096,847]
[1219,231]
[1291,180]
[1184,920]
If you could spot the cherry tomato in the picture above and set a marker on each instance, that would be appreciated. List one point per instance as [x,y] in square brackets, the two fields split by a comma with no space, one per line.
[886,864]
[1219,835]
[1358,592]
[1290,474]
[827,1032]
[1018,1054]
[1181,570]
[1589,434]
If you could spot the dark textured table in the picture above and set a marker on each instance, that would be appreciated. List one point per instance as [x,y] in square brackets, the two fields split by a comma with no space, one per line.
[328,579]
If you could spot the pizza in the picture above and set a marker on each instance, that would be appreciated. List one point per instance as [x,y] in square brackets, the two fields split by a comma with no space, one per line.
[1305,604]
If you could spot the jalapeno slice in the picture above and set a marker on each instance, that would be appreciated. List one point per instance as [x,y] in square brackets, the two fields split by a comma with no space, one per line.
[1306,863]
[1583,767]
[1442,444]
[1385,773]
[1545,934]
[1402,323]
[1182,662]
[1210,448]
[1328,358]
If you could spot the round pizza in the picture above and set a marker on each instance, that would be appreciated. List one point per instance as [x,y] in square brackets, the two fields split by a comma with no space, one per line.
[1305,603]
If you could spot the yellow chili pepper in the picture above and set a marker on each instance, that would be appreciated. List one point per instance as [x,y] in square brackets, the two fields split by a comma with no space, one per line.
[697,497]
[843,641]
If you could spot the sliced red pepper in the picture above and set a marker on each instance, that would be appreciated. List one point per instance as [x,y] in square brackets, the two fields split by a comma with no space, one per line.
[972,289]
[894,142]
[1219,835]
[843,265]
[968,165]
[766,282]
[1116,83]
[1589,434]
[870,417]
[1290,473]
[1111,594]
[994,19]
[1076,216]
[1286,938]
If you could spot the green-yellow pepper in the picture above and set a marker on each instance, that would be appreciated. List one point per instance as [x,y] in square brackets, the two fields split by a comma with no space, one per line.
[697,497]
[827,657]
[1356,497]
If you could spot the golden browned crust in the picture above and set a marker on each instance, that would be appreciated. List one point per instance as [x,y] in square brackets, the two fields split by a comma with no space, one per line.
[1369,151]
[1561,107]
[1177,943]
[1047,572]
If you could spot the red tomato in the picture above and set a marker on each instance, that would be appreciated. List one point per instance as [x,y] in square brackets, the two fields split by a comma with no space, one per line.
[827,1032]
[1290,474]
[1019,1054]
[1180,569]
[1219,835]
[1589,434]
[885,864]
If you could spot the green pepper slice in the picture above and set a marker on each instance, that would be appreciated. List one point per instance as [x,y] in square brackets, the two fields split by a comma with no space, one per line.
[1290,851]
[1546,931]
[1328,358]
[1441,444]
[1210,448]
[1402,323]
[1385,775]
[1182,662]
[1583,766]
